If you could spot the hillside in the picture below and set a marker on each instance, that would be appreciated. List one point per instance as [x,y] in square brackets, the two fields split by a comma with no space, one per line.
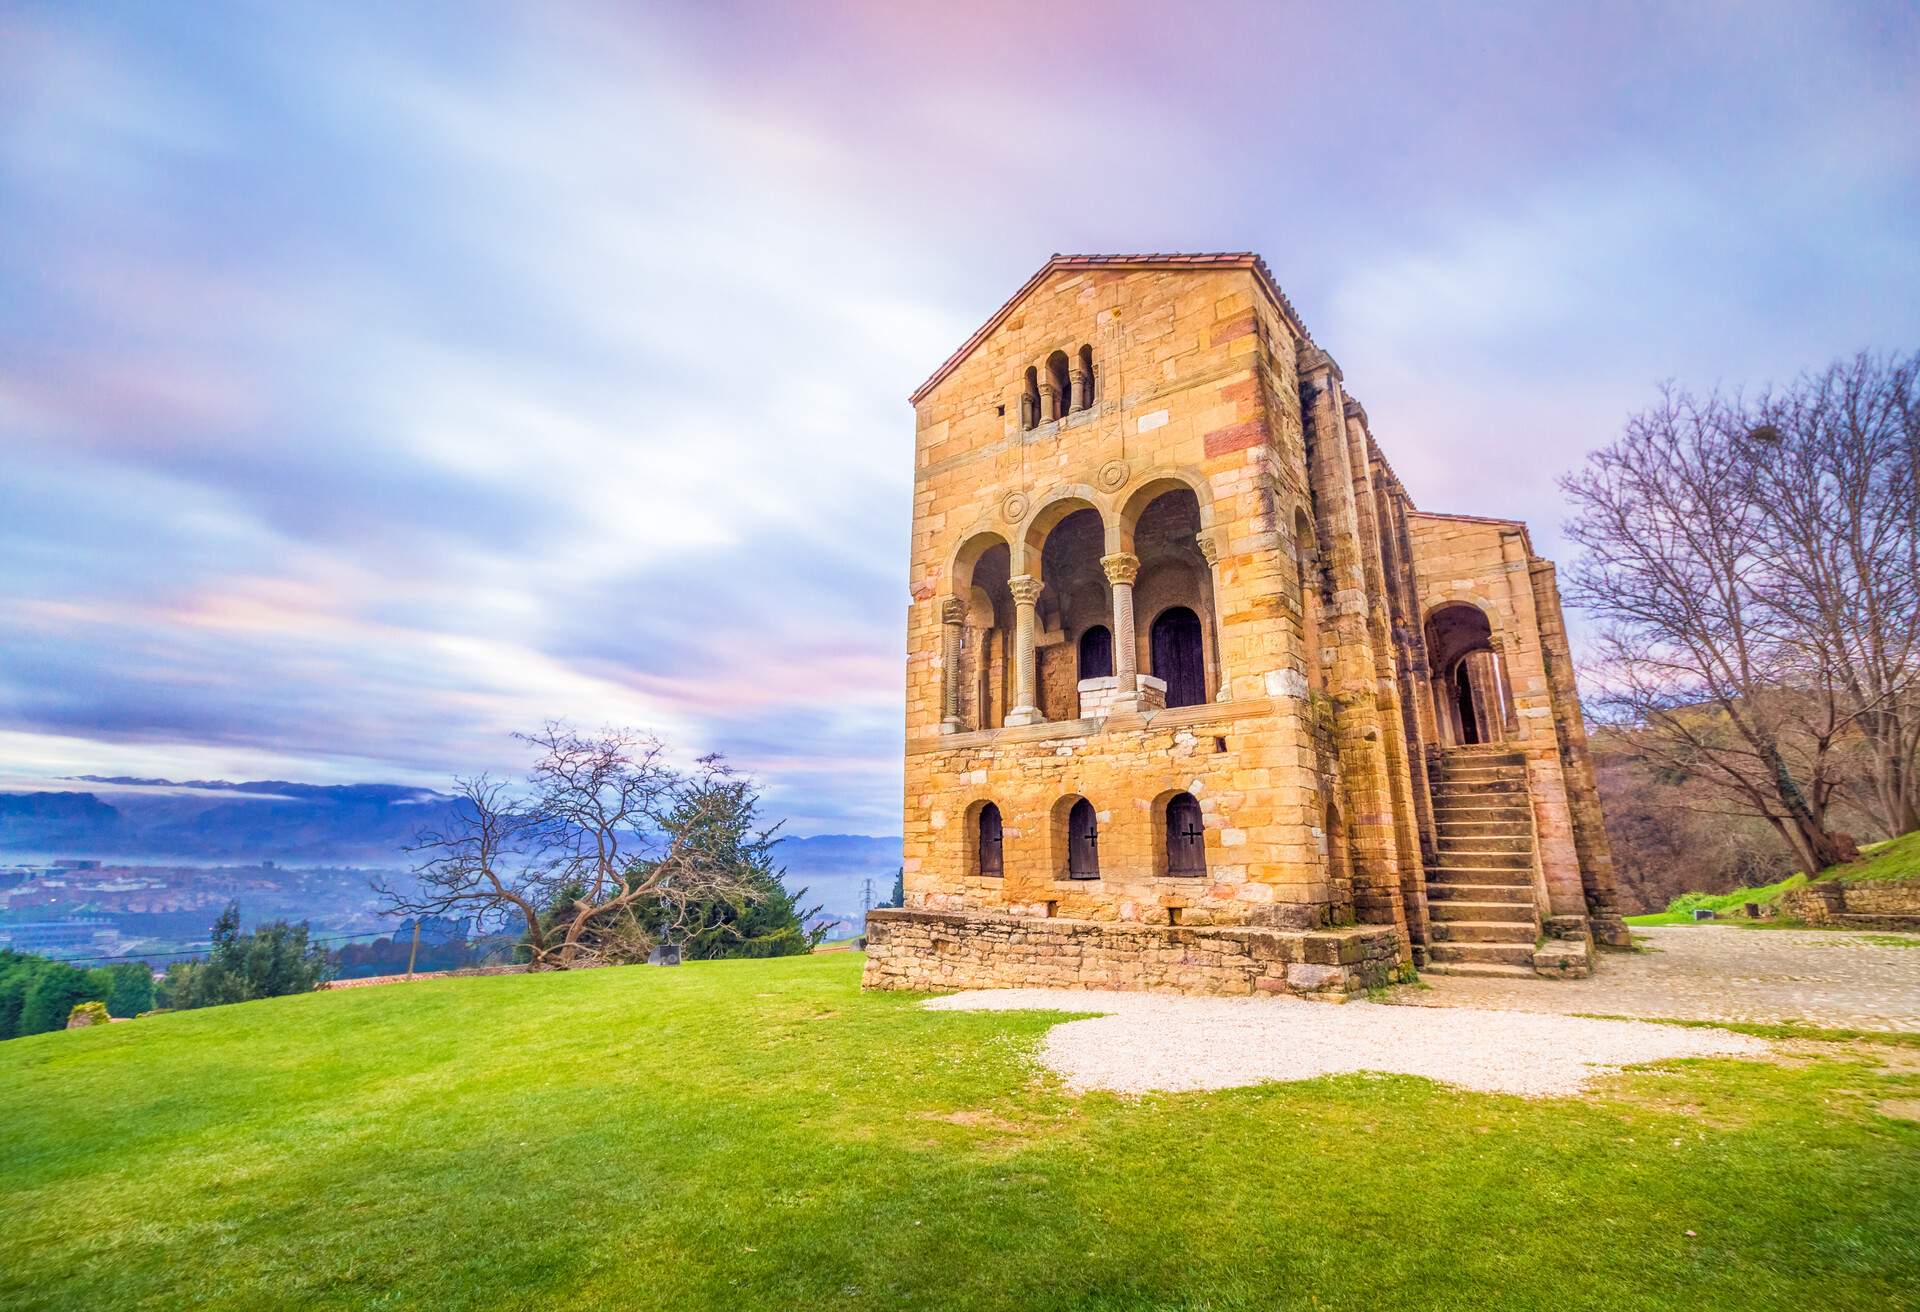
[1895,861]
[354,824]
[762,1135]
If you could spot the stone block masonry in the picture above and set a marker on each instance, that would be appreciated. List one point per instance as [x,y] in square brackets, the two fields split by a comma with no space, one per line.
[928,951]
[1193,690]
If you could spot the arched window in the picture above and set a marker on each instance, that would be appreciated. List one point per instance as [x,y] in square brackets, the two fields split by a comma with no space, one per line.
[1177,656]
[1083,842]
[1060,384]
[1086,371]
[991,862]
[1096,653]
[1030,400]
[1186,836]
[1472,701]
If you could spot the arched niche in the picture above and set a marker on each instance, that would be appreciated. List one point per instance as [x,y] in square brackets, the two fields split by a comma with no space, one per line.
[1173,594]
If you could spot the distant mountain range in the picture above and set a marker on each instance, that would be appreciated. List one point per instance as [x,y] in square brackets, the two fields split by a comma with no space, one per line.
[212,821]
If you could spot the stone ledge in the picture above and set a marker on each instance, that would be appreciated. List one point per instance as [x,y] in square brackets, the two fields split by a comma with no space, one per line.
[933,950]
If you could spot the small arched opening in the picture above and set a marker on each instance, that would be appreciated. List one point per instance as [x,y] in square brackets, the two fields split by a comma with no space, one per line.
[989,858]
[1087,387]
[1186,841]
[1076,839]
[1470,693]
[1030,400]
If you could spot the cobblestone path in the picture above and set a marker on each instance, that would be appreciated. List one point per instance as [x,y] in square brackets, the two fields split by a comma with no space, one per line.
[1718,972]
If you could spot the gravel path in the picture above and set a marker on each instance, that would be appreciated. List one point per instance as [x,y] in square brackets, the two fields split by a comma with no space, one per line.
[1719,972]
[1146,1041]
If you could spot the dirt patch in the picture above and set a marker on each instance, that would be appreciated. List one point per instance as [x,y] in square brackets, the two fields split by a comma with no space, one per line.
[1146,1042]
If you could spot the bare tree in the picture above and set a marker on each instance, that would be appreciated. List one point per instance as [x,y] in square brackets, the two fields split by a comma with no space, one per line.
[1693,668]
[1837,463]
[607,828]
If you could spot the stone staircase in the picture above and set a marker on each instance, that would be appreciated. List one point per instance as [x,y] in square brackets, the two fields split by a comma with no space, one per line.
[1480,904]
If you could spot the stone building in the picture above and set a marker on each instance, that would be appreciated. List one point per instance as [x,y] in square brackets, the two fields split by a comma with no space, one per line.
[1196,698]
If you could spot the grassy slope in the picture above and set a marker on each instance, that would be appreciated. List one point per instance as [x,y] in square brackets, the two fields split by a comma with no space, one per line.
[761,1134]
[1897,858]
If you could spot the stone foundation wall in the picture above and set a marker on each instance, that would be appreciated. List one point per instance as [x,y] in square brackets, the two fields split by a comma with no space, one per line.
[1876,905]
[929,950]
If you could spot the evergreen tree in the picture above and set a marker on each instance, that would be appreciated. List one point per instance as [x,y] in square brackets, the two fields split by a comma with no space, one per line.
[274,959]
[50,1001]
[899,888]
[14,984]
[127,987]
[717,827]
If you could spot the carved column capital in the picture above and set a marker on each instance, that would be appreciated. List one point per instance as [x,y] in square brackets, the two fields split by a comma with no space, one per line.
[953,611]
[1121,567]
[1209,547]
[1025,589]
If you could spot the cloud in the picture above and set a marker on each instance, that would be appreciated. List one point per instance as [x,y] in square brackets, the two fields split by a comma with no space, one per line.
[372,386]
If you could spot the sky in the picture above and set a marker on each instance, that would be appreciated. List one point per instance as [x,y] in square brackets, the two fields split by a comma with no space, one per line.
[378,380]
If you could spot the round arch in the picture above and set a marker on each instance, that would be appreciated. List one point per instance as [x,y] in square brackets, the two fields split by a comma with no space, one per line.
[1148,488]
[960,576]
[1055,506]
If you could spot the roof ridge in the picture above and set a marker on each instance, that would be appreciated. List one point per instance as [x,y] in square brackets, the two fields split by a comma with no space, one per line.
[1057,261]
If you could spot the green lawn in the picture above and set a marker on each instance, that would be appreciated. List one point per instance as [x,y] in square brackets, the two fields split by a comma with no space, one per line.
[763,1135]
[1895,858]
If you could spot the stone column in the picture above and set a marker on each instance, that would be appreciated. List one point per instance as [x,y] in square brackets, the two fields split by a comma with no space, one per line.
[952,615]
[1503,687]
[1077,382]
[1210,552]
[1049,399]
[1122,569]
[1026,591]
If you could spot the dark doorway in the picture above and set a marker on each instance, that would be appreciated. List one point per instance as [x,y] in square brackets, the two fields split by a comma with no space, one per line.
[989,841]
[1096,653]
[1186,837]
[1177,656]
[1463,700]
[1083,842]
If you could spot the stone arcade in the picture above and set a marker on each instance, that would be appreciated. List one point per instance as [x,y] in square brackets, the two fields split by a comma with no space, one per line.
[1196,699]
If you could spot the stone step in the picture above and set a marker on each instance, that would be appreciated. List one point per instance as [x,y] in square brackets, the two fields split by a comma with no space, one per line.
[1449,908]
[1491,954]
[1489,752]
[1482,859]
[1510,878]
[1439,891]
[1451,841]
[1462,773]
[1484,969]
[1516,828]
[1451,788]
[1486,931]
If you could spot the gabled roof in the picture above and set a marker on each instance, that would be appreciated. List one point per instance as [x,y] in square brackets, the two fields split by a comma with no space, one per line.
[1213,260]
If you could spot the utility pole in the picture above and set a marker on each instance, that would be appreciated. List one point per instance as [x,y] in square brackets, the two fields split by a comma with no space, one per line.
[866,898]
[413,951]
